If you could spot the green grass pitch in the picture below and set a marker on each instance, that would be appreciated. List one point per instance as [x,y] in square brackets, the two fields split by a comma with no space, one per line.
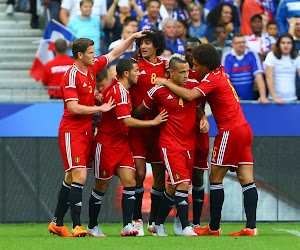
[37,236]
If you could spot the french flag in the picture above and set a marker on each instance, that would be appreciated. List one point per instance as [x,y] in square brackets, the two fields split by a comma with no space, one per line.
[45,52]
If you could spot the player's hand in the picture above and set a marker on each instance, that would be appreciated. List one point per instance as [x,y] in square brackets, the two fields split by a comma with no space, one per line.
[204,124]
[160,81]
[278,100]
[263,100]
[162,117]
[137,55]
[140,34]
[108,106]
[98,99]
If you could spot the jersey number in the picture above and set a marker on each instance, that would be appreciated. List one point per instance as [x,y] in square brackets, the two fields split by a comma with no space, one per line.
[180,102]
[233,90]
[214,152]
[153,78]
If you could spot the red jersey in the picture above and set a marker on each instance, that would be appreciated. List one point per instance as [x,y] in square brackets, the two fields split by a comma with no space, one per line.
[112,131]
[148,73]
[223,100]
[54,71]
[79,86]
[179,131]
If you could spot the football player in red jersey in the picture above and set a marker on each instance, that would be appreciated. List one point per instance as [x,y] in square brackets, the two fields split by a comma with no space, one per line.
[111,149]
[201,149]
[75,131]
[176,142]
[232,146]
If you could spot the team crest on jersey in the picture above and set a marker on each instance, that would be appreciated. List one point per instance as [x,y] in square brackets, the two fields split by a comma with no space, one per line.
[177,176]
[77,159]
[92,76]
[104,172]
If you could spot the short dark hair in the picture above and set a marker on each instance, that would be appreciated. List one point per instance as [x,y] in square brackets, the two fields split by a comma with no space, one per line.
[174,62]
[84,1]
[81,45]
[150,1]
[277,52]
[125,64]
[61,46]
[255,16]
[101,75]
[184,23]
[206,55]
[157,37]
[272,22]
[129,19]
[193,40]
[237,35]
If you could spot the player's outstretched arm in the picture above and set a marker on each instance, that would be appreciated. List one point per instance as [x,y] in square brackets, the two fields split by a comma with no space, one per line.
[186,94]
[136,123]
[122,47]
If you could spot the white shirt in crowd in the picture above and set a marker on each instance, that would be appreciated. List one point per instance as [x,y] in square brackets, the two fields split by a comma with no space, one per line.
[284,75]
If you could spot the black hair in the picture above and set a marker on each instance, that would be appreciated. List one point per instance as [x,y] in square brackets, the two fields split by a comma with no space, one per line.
[184,23]
[215,14]
[193,40]
[206,55]
[129,19]
[256,16]
[125,64]
[101,75]
[157,37]
[86,1]
[150,1]
[174,62]
[81,45]
[272,22]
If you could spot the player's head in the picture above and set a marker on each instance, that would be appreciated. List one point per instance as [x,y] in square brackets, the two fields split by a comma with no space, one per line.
[190,44]
[205,59]
[84,50]
[128,69]
[239,44]
[102,80]
[179,69]
[153,43]
[60,46]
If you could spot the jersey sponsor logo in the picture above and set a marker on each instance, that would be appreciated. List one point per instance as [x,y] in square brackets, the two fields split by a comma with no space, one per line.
[177,176]
[92,76]
[104,172]
[84,84]
[77,159]
[169,97]
[78,204]
[143,72]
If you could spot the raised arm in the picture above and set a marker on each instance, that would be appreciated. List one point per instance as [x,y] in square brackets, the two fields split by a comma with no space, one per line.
[110,20]
[122,47]
[186,94]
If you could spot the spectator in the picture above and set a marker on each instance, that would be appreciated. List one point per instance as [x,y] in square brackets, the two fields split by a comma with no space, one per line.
[153,19]
[169,26]
[281,67]
[182,28]
[86,25]
[272,29]
[54,8]
[243,68]
[56,68]
[294,30]
[167,53]
[71,8]
[252,7]
[259,41]
[265,20]
[221,14]
[182,9]
[221,44]
[127,31]
[167,9]
[196,27]
[286,10]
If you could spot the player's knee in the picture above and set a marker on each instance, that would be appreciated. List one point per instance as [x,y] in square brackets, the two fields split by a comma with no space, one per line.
[130,183]
[215,178]
[101,185]
[244,179]
[183,186]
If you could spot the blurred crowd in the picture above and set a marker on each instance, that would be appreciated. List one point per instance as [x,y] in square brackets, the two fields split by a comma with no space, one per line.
[259,40]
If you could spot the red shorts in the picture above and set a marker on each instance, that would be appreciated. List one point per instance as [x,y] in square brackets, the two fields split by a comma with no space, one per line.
[144,144]
[75,149]
[201,151]
[179,165]
[233,148]
[108,159]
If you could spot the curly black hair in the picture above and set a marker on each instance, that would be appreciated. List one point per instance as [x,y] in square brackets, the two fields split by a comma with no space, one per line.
[215,14]
[157,37]
[206,55]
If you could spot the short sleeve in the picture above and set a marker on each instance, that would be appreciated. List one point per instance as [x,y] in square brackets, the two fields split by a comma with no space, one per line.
[70,91]
[270,59]
[100,63]
[205,86]
[123,111]
[150,100]
[66,4]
